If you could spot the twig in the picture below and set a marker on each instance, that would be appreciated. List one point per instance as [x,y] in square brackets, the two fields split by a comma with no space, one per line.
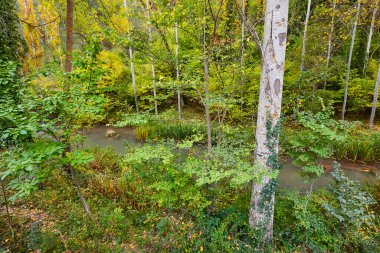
[7,210]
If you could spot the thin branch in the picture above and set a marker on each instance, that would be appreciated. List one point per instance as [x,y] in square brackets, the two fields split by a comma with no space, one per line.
[38,25]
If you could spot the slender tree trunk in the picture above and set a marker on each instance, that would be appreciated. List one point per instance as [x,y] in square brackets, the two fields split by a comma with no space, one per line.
[59,44]
[267,131]
[302,68]
[76,182]
[376,92]
[177,69]
[133,79]
[329,48]
[206,80]
[132,66]
[350,59]
[152,59]
[179,100]
[242,47]
[69,35]
[69,50]
[304,35]
[9,221]
[370,36]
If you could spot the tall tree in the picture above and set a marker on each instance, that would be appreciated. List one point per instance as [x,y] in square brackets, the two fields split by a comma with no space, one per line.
[69,35]
[376,93]
[132,63]
[173,4]
[350,59]
[69,67]
[242,47]
[206,80]
[331,33]
[370,36]
[152,58]
[269,110]
[177,68]
[305,35]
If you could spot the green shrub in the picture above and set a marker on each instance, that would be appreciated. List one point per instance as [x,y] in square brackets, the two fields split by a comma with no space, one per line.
[313,140]
[350,210]
[224,231]
[301,225]
[132,120]
[104,160]
[177,131]
[339,220]
[114,222]
[360,145]
[155,178]
[142,133]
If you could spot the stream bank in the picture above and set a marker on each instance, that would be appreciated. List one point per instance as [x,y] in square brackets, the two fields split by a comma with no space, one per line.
[289,177]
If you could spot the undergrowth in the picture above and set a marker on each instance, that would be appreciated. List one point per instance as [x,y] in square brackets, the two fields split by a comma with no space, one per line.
[142,202]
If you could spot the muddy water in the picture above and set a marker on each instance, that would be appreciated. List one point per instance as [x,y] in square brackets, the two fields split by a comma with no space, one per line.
[289,175]
[123,137]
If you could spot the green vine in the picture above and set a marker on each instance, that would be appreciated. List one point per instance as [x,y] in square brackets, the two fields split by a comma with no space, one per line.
[9,35]
[272,137]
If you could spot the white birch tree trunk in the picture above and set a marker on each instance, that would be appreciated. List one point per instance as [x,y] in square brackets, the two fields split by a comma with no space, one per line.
[370,36]
[132,67]
[152,59]
[350,59]
[177,68]
[376,92]
[133,79]
[242,32]
[206,80]
[304,35]
[329,48]
[242,45]
[269,110]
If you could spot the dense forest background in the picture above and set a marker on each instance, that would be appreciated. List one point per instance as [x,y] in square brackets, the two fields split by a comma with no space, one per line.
[108,30]
[184,76]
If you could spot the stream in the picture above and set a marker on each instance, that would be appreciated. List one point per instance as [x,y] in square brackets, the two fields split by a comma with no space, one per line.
[289,177]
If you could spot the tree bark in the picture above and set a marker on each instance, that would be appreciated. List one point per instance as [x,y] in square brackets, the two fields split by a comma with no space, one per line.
[9,221]
[133,79]
[132,66]
[376,92]
[370,36]
[304,35]
[69,35]
[179,100]
[85,205]
[177,69]
[69,50]
[271,84]
[350,59]
[206,80]
[242,47]
[152,59]
[332,25]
